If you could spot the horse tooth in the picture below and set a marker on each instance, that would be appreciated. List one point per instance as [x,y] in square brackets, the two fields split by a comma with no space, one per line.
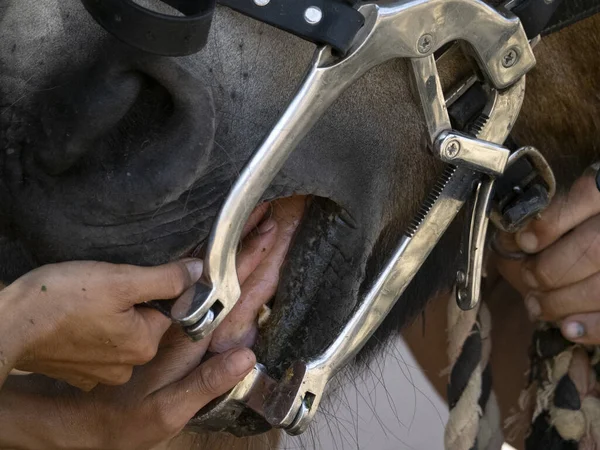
[263,316]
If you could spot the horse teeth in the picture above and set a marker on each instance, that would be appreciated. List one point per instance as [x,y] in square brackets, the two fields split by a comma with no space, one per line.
[263,316]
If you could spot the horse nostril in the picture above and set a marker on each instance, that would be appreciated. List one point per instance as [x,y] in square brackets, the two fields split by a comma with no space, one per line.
[132,134]
[83,117]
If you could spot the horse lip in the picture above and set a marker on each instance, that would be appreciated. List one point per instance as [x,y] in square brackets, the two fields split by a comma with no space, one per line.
[199,250]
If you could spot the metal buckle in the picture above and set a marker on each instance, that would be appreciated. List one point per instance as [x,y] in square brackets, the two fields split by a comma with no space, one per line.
[541,169]
[390,31]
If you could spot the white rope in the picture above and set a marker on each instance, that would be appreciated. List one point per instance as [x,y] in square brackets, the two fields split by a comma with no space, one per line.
[467,423]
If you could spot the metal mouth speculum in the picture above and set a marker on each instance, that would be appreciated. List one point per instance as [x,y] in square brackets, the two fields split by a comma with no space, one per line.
[389,32]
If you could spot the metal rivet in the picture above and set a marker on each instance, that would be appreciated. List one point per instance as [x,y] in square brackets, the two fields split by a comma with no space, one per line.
[261,2]
[510,58]
[313,15]
[452,148]
[461,277]
[425,43]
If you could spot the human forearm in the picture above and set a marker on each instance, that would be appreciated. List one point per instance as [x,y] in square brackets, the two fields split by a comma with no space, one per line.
[26,413]
[12,332]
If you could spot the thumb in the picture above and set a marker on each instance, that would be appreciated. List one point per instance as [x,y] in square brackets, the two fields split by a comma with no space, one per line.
[212,379]
[507,260]
[168,281]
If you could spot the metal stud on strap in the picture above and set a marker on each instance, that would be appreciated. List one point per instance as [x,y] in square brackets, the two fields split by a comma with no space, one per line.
[328,22]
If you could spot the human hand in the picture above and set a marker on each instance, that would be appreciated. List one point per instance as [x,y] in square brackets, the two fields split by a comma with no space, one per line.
[240,327]
[81,321]
[560,278]
[153,407]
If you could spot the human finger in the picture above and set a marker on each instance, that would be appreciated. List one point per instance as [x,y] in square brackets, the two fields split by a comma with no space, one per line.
[241,324]
[135,284]
[578,298]
[255,218]
[179,401]
[571,259]
[87,376]
[177,356]
[237,328]
[255,249]
[582,328]
[564,213]
[510,269]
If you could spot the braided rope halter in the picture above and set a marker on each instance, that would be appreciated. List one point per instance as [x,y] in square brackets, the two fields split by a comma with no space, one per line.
[560,400]
[474,420]
[559,407]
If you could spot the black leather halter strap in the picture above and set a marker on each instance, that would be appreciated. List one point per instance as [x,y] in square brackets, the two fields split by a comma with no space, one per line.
[327,22]
[570,12]
[153,32]
[336,23]
[339,21]
[547,16]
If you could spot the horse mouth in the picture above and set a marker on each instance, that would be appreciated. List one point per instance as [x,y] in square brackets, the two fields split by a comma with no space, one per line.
[292,280]
[282,217]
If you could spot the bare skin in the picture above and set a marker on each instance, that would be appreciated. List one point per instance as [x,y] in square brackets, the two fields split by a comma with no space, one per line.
[162,395]
[79,321]
[561,279]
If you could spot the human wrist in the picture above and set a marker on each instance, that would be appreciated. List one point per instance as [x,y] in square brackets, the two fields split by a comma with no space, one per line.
[15,334]
[15,419]
[32,416]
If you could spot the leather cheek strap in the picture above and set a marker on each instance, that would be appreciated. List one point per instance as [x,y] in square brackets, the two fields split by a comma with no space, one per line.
[154,32]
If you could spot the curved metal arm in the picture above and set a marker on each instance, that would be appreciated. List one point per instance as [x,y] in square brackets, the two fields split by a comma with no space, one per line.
[295,400]
[320,88]
[390,31]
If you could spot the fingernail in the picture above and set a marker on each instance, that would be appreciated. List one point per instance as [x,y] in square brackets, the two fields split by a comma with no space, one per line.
[195,268]
[533,307]
[239,362]
[527,241]
[573,330]
[266,226]
[529,279]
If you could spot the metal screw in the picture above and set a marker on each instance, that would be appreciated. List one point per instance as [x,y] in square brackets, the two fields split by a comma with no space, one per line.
[510,58]
[452,148]
[261,2]
[313,15]
[425,43]
[461,277]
